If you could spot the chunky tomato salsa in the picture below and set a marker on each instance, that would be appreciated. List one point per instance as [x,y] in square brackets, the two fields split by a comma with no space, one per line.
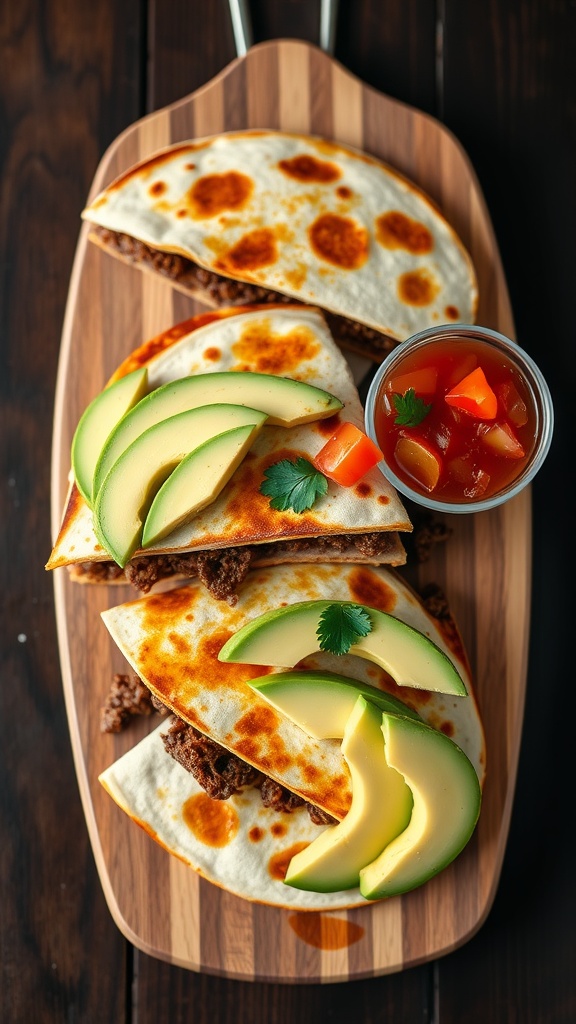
[456,420]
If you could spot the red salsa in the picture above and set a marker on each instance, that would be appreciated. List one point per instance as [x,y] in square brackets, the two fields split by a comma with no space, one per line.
[456,420]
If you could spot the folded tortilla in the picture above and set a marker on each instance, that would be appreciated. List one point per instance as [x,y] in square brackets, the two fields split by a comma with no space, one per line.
[290,341]
[245,848]
[247,216]
[172,641]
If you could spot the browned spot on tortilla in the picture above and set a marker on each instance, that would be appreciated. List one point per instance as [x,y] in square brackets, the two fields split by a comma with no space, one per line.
[447,728]
[367,588]
[452,313]
[308,168]
[310,772]
[160,610]
[212,353]
[278,863]
[325,932]
[363,490]
[417,288]
[163,341]
[269,352]
[296,276]
[395,230]
[158,188]
[190,167]
[268,754]
[254,250]
[213,822]
[256,834]
[328,426]
[75,503]
[278,829]
[144,169]
[383,499]
[180,643]
[343,192]
[260,719]
[339,240]
[255,518]
[214,193]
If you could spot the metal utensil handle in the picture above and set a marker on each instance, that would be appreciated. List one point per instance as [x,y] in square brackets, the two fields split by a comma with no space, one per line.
[242,25]
[328,16]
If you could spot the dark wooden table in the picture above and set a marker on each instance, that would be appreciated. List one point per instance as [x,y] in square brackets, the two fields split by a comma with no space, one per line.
[502,77]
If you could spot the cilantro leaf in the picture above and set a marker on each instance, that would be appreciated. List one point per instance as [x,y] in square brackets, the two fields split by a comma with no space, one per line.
[341,625]
[293,485]
[411,409]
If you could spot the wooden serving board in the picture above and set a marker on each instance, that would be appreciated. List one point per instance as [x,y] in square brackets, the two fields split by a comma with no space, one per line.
[159,904]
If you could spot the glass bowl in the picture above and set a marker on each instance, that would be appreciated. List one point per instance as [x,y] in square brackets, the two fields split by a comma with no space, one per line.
[533,382]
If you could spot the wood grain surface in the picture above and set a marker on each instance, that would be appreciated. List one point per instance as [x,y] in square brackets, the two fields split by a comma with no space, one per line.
[162,907]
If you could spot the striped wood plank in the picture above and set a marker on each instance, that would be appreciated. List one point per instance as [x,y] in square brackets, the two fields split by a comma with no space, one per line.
[158,903]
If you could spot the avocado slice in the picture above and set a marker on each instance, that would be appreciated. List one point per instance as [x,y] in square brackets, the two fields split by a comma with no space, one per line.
[447,800]
[380,810]
[285,635]
[98,420]
[126,495]
[321,702]
[196,482]
[286,402]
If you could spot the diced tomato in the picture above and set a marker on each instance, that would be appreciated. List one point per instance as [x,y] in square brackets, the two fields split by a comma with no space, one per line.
[464,366]
[512,403]
[422,381]
[419,460]
[474,395]
[347,455]
[500,438]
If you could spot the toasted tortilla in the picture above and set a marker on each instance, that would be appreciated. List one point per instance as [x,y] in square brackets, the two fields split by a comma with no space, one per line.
[246,847]
[291,341]
[172,641]
[297,216]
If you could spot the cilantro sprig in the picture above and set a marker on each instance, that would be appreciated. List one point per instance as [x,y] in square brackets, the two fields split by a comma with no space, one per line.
[293,485]
[411,409]
[341,625]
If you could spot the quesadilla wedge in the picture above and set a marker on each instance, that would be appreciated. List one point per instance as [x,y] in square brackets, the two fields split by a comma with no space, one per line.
[239,841]
[241,527]
[257,216]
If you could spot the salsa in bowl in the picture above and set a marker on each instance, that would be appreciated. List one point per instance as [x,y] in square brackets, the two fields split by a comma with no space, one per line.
[462,416]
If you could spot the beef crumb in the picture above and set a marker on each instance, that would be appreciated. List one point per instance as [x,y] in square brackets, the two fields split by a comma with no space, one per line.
[278,798]
[428,531]
[222,572]
[220,773]
[435,601]
[319,816]
[128,696]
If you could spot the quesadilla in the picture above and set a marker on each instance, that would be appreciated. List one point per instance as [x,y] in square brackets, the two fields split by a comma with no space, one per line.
[240,527]
[172,641]
[258,216]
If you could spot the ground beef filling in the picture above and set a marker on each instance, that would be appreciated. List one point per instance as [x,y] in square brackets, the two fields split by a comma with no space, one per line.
[127,697]
[222,291]
[221,774]
[222,570]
